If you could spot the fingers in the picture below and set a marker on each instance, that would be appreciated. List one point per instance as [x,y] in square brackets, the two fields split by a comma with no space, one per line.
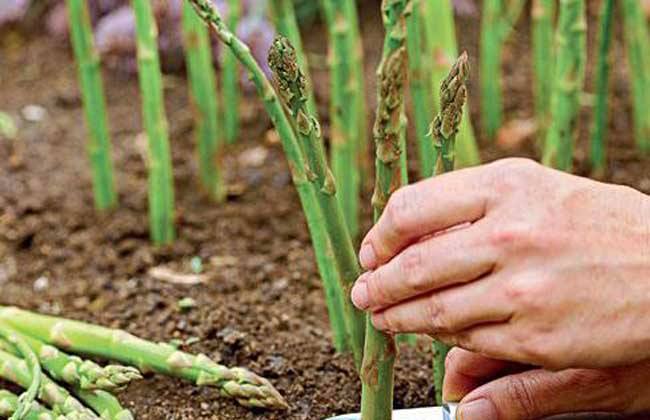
[424,208]
[466,371]
[448,311]
[538,394]
[458,256]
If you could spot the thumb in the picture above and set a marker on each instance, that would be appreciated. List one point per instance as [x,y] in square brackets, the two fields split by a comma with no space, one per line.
[539,393]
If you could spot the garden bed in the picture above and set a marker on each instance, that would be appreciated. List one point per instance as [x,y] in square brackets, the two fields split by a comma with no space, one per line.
[261,303]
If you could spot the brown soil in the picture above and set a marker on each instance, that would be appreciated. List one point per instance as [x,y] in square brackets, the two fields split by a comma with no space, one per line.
[262,306]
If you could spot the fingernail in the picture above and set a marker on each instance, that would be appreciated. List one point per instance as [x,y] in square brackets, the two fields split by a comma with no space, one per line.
[367,256]
[481,409]
[360,296]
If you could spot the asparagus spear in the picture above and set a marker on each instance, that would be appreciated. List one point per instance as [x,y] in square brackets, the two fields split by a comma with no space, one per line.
[240,384]
[198,55]
[32,386]
[286,23]
[9,405]
[105,404]
[542,14]
[377,372]
[99,144]
[569,80]
[440,36]
[637,38]
[161,183]
[72,370]
[344,254]
[230,80]
[14,369]
[453,95]
[597,153]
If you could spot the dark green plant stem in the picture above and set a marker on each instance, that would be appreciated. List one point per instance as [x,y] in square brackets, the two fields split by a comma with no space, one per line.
[286,23]
[344,253]
[9,405]
[568,84]
[77,337]
[542,18]
[440,37]
[105,404]
[637,39]
[230,80]
[161,182]
[33,366]
[203,90]
[377,373]
[499,17]
[344,115]
[597,151]
[92,91]
[444,129]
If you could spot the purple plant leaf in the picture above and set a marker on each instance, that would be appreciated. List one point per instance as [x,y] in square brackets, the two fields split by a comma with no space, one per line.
[12,10]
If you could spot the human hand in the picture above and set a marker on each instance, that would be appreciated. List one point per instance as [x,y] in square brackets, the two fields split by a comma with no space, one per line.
[486,392]
[550,269]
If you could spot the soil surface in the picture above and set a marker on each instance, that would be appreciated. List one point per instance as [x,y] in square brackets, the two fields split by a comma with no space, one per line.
[261,305]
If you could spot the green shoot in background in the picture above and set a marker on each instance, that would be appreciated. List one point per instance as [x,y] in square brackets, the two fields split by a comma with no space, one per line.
[542,21]
[230,81]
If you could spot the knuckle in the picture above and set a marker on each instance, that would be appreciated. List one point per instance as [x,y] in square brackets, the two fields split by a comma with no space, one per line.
[526,294]
[398,210]
[437,314]
[604,385]
[511,173]
[377,293]
[521,395]
[410,262]
[535,349]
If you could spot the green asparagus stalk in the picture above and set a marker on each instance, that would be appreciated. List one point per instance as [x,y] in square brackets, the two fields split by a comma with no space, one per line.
[99,143]
[240,384]
[542,17]
[569,79]
[499,16]
[198,55]
[597,153]
[286,23]
[230,80]
[72,370]
[19,345]
[637,38]
[440,37]
[105,404]
[9,405]
[453,96]
[345,119]
[161,183]
[344,254]
[377,373]
[15,370]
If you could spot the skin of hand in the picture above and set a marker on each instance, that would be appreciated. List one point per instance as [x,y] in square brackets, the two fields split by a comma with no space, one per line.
[487,392]
[517,262]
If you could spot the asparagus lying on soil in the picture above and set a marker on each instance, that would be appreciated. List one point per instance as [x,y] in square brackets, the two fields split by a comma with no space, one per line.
[240,384]
[344,253]
[9,405]
[453,95]
[105,404]
[82,374]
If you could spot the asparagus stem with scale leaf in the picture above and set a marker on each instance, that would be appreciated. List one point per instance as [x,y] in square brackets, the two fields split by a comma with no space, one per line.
[161,183]
[453,95]
[240,384]
[377,372]
[345,256]
[105,404]
[597,149]
[568,84]
[92,90]
[198,55]
[9,405]
[230,80]
[542,18]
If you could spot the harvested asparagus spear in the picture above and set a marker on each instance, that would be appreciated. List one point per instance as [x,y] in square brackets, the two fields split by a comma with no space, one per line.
[542,18]
[569,79]
[230,80]
[198,55]
[453,95]
[105,404]
[240,384]
[377,372]
[597,153]
[9,405]
[344,254]
[32,365]
[15,370]
[99,143]
[161,183]
[72,370]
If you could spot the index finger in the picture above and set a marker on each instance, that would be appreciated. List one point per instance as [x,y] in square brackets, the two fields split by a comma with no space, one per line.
[424,208]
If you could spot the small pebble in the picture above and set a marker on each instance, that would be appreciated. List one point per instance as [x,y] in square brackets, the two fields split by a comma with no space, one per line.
[34,113]
[41,284]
